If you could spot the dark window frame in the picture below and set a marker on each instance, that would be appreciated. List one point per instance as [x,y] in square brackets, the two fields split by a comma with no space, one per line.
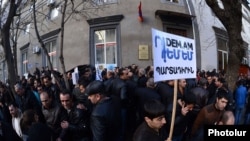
[47,38]
[104,23]
[24,49]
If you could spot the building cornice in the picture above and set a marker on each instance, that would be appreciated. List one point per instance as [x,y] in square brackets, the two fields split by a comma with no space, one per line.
[114,18]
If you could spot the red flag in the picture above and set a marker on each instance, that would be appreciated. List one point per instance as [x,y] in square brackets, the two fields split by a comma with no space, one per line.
[140,18]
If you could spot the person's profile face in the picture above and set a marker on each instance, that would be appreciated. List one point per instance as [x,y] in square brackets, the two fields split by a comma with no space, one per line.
[13,111]
[93,98]
[156,123]
[209,79]
[19,91]
[82,88]
[221,103]
[46,82]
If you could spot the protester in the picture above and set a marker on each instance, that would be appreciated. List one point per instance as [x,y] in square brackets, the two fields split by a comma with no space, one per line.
[240,96]
[7,132]
[182,117]
[210,114]
[16,115]
[53,112]
[154,119]
[105,119]
[75,127]
[227,118]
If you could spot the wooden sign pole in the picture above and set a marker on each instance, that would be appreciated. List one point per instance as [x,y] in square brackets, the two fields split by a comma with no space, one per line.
[174,111]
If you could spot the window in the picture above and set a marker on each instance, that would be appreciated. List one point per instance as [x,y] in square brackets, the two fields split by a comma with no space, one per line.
[176,1]
[53,13]
[176,31]
[222,48]
[26,29]
[24,59]
[31,8]
[168,1]
[248,3]
[103,2]
[105,50]
[248,57]
[50,40]
[104,42]
[222,53]
[176,23]
[105,46]
[222,60]
[51,47]
[244,61]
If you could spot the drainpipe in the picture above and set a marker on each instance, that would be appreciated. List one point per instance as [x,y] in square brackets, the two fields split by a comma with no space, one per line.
[195,36]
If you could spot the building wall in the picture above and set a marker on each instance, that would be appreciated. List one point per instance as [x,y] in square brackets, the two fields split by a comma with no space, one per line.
[133,32]
[77,40]
[246,29]
[208,43]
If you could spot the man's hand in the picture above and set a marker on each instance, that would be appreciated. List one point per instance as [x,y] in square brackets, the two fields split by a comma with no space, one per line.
[184,110]
[81,106]
[64,124]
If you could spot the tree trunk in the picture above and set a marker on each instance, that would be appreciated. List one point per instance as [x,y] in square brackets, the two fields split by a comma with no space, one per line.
[5,35]
[62,45]
[57,79]
[231,18]
[12,76]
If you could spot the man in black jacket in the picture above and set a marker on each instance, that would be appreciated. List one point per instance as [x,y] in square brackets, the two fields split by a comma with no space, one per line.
[105,117]
[53,112]
[76,127]
[26,99]
[119,91]
[154,119]
[7,133]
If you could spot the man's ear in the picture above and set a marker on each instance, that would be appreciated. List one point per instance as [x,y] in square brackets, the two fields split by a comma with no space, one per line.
[98,96]
[147,119]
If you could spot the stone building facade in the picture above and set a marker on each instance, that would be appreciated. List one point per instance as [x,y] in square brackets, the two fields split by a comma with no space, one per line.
[107,33]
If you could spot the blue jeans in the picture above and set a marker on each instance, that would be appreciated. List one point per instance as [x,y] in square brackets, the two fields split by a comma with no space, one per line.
[247,119]
[238,114]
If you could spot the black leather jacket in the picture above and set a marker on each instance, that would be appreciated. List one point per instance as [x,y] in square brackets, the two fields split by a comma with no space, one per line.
[119,91]
[145,133]
[29,101]
[54,116]
[105,121]
[201,97]
[78,129]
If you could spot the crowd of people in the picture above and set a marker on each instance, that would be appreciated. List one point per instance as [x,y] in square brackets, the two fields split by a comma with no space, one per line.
[126,104]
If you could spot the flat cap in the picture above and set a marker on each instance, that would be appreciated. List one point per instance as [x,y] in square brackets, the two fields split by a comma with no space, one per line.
[95,87]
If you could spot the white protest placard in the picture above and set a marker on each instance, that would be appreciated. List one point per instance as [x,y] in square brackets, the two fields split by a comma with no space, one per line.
[174,56]
[75,77]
